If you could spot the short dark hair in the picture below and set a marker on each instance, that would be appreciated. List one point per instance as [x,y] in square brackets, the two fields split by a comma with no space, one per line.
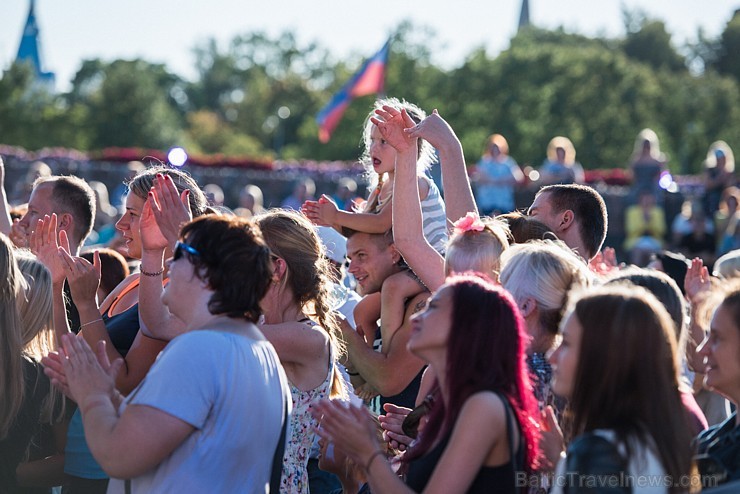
[235,262]
[73,195]
[589,209]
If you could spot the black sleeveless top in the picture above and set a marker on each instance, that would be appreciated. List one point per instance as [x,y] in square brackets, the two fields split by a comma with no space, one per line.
[497,479]
[122,328]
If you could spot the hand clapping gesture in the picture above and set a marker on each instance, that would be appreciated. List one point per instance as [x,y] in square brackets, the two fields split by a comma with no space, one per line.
[44,244]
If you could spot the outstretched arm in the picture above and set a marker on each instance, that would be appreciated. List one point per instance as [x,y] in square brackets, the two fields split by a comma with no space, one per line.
[458,194]
[164,212]
[408,229]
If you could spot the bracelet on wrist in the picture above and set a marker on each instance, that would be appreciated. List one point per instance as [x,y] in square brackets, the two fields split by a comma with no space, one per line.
[91,322]
[154,274]
[372,458]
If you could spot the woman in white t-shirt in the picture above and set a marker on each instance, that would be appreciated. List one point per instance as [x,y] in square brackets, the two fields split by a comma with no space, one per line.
[209,414]
[617,367]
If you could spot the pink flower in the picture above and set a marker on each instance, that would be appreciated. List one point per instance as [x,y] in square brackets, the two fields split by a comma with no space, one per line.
[469,222]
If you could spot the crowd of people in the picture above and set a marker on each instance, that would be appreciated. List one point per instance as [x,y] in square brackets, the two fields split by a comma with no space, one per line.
[414,342]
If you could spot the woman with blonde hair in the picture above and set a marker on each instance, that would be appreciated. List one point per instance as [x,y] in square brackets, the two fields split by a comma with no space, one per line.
[561,166]
[496,176]
[25,397]
[540,275]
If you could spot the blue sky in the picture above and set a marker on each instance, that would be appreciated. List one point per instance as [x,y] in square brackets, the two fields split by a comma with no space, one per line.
[167,30]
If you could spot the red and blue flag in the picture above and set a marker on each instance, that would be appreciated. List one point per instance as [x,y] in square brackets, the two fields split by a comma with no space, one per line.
[370,79]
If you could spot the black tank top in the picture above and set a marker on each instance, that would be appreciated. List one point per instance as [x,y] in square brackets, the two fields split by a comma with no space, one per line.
[122,328]
[497,479]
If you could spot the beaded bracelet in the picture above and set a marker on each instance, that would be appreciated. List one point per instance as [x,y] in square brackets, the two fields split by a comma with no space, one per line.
[147,273]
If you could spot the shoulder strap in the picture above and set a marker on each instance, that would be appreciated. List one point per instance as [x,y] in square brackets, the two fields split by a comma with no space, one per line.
[277,458]
[515,451]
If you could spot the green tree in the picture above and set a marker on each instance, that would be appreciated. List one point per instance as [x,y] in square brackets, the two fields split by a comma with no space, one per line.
[130,103]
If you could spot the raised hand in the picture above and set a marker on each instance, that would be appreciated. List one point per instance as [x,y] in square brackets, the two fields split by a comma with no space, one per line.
[391,423]
[392,124]
[86,377]
[44,244]
[552,443]
[54,370]
[170,208]
[83,277]
[697,281]
[348,427]
[604,262]
[18,235]
[435,130]
[322,212]
[152,238]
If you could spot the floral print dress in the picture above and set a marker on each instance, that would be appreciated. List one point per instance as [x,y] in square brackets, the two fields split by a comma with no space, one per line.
[294,479]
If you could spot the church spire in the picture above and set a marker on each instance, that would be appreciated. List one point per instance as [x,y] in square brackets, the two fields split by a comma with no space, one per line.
[524,15]
[29,49]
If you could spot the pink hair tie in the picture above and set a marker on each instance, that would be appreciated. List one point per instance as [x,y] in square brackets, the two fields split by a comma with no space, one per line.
[469,222]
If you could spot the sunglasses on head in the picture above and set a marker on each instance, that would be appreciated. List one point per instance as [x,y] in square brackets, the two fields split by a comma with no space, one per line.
[182,246]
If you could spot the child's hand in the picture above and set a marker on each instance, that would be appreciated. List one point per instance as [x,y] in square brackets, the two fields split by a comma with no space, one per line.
[322,212]
[391,124]
[435,130]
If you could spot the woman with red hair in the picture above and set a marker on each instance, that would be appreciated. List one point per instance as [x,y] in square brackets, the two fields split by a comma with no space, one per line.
[479,430]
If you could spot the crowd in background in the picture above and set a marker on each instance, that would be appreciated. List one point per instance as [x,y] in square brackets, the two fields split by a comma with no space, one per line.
[431,337]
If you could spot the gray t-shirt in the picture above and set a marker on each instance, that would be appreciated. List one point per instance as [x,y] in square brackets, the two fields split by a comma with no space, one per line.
[232,389]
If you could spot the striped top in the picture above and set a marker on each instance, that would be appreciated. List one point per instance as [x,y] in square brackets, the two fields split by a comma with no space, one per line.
[434,217]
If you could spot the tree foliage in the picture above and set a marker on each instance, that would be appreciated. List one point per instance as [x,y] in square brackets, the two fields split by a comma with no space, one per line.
[259,96]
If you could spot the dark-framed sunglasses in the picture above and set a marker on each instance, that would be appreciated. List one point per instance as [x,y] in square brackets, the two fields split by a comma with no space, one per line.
[182,246]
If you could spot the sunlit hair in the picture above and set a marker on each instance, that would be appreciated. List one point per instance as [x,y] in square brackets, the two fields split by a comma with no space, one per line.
[498,140]
[711,161]
[477,251]
[37,322]
[566,145]
[292,237]
[728,266]
[142,183]
[589,209]
[235,262]
[626,379]
[12,286]
[545,271]
[74,196]
[485,352]
[523,228]
[425,156]
[649,136]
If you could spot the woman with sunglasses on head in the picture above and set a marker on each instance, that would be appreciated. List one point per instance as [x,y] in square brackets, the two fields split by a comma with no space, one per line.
[480,432]
[116,320]
[184,428]
[298,320]
[617,367]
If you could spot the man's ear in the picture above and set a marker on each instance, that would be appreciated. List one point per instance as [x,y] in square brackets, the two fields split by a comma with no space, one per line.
[567,219]
[66,222]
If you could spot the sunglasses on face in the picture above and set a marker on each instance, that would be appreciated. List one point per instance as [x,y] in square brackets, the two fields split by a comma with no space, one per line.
[182,246]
